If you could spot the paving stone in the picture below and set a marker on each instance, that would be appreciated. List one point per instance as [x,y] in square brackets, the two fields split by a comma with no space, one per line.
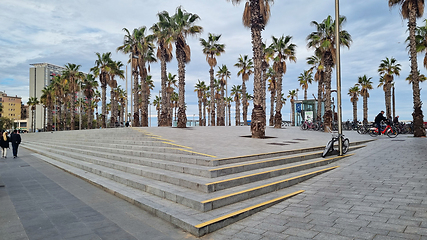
[328,236]
[299,232]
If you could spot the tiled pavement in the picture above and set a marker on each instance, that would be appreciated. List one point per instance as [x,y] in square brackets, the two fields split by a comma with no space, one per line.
[380,193]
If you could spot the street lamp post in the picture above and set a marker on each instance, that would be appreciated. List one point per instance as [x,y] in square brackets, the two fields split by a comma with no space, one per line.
[338,69]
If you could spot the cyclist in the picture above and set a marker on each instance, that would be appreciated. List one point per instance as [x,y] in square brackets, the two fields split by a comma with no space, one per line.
[380,117]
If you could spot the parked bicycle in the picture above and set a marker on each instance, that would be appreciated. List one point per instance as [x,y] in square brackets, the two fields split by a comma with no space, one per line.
[335,138]
[389,130]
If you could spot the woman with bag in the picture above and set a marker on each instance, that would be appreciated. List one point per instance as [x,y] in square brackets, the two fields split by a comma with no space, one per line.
[4,144]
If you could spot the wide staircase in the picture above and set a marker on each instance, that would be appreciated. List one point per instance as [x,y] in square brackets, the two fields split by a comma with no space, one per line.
[194,191]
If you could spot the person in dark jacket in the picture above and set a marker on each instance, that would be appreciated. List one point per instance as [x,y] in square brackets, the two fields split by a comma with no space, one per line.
[380,117]
[15,138]
[4,143]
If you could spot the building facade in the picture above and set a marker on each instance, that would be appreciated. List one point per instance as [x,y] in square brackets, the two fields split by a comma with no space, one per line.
[41,75]
[11,106]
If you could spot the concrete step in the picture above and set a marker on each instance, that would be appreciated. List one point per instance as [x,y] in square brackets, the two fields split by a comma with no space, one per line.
[118,154]
[195,200]
[268,162]
[198,183]
[245,158]
[140,146]
[186,218]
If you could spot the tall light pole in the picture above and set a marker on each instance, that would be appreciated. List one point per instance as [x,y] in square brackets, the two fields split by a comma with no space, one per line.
[337,51]
[80,107]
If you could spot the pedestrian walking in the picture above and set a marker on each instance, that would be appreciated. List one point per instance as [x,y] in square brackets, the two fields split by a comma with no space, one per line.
[15,138]
[4,144]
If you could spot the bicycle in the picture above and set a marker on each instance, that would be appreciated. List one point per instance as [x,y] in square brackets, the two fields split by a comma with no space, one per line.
[330,145]
[389,130]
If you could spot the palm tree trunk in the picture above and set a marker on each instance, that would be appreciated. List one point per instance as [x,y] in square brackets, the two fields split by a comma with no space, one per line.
[305,93]
[244,101]
[135,98]
[258,112]
[293,112]
[211,74]
[73,106]
[238,112]
[49,118]
[355,111]
[417,115]
[104,105]
[200,111]
[221,109]
[164,116]
[89,114]
[278,116]
[388,100]
[319,99]
[365,109]
[328,111]
[272,96]
[182,117]
[113,109]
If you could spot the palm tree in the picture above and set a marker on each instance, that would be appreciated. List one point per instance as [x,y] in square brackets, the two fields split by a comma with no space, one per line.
[255,17]
[121,96]
[212,49]
[354,93]
[58,88]
[283,50]
[74,76]
[89,86]
[245,65]
[96,100]
[149,86]
[411,10]
[292,94]
[223,74]
[228,100]
[103,66]
[421,78]
[200,88]
[316,63]
[115,70]
[175,100]
[140,47]
[162,31]
[366,85]
[236,91]
[32,103]
[305,79]
[323,41]
[387,69]
[183,25]
[157,103]
[171,81]
[47,99]
[272,88]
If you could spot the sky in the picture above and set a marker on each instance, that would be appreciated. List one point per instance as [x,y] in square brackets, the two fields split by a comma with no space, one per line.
[61,32]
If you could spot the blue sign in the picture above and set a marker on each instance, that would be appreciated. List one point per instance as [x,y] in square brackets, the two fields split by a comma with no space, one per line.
[298,107]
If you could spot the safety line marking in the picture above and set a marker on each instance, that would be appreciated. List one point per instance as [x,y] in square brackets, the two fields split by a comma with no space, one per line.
[254,174]
[271,160]
[267,185]
[207,155]
[247,209]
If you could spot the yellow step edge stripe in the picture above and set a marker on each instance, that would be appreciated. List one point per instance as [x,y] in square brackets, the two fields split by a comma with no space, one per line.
[176,145]
[226,180]
[272,160]
[246,209]
[257,154]
[207,155]
[267,185]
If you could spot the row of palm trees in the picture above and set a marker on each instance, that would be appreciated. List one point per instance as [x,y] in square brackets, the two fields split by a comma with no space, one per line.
[387,69]
[175,29]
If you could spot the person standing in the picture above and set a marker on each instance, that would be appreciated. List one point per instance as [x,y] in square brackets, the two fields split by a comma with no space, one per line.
[380,117]
[15,138]
[4,144]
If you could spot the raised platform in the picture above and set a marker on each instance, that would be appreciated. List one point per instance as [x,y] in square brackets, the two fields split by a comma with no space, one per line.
[196,178]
